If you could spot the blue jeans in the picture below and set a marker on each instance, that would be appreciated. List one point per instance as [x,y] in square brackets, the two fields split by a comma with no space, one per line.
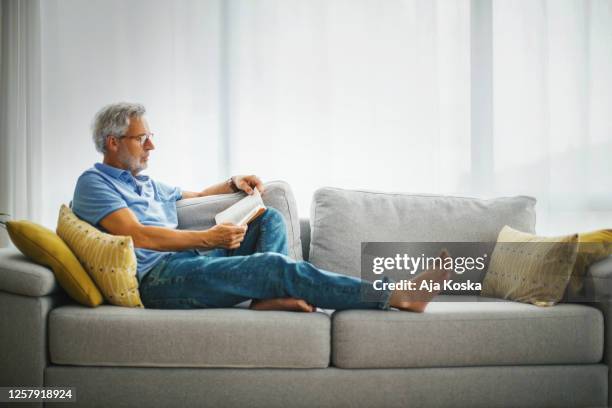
[258,269]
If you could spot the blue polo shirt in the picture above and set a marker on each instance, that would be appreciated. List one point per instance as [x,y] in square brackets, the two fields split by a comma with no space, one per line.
[104,189]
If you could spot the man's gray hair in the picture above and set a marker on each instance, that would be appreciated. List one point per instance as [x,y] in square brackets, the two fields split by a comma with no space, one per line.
[114,119]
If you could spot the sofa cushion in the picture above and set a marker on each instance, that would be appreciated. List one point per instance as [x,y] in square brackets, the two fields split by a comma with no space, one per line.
[530,268]
[342,219]
[117,336]
[45,247]
[461,333]
[21,276]
[199,213]
[109,259]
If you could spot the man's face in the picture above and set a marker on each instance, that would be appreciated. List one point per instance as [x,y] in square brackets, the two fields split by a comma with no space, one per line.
[131,153]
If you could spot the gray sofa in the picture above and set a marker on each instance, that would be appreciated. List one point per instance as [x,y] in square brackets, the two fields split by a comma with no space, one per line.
[474,353]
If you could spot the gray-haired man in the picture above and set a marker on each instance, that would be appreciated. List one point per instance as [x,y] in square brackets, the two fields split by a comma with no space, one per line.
[244,263]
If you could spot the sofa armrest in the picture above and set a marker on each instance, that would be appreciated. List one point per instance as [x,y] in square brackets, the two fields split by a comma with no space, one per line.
[599,280]
[598,285]
[20,276]
[28,293]
[199,213]
[24,341]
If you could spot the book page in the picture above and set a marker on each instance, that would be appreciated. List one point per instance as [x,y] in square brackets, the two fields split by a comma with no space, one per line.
[242,211]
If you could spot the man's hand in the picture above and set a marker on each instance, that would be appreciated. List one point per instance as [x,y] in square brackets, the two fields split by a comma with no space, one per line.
[227,236]
[247,183]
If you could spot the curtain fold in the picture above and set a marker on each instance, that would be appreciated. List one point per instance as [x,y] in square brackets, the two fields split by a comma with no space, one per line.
[21,166]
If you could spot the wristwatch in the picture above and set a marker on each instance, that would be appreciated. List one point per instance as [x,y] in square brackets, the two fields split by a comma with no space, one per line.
[233,185]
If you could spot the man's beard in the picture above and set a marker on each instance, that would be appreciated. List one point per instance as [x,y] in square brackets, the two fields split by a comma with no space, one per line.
[133,164]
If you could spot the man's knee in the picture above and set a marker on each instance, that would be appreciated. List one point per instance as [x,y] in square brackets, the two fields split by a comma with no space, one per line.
[274,216]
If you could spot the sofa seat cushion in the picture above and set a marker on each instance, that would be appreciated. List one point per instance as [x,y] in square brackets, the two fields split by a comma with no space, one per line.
[117,336]
[462,333]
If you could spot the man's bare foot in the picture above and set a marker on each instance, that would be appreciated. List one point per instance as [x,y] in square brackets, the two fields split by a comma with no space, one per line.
[288,304]
[417,300]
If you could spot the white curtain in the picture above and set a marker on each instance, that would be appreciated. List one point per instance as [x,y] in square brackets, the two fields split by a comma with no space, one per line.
[552,109]
[472,97]
[355,93]
[379,95]
[20,110]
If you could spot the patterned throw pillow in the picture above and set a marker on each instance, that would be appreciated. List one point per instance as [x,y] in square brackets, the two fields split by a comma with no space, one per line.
[109,259]
[529,268]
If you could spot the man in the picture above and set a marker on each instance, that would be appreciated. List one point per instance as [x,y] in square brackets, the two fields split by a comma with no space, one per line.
[239,264]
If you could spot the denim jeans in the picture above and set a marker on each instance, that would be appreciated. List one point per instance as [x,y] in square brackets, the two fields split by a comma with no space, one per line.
[258,269]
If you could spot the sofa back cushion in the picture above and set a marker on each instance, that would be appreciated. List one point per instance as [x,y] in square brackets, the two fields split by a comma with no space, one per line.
[199,213]
[342,219]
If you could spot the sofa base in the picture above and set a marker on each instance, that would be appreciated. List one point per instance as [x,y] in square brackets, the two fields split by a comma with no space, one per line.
[533,386]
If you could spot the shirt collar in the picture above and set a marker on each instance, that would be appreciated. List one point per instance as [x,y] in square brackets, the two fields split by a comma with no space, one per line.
[117,173]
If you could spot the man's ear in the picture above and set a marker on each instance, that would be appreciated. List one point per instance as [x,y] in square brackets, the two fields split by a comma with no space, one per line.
[112,144]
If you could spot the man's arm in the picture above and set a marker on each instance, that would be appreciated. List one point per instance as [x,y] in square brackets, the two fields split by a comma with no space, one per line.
[124,222]
[244,183]
[220,188]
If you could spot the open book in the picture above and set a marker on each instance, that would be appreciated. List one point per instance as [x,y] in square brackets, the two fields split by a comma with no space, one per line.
[243,211]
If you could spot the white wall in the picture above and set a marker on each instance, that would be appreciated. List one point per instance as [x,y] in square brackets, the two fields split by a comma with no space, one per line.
[159,53]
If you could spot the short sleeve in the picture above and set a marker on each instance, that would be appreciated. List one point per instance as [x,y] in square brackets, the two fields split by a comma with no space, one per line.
[95,198]
[168,193]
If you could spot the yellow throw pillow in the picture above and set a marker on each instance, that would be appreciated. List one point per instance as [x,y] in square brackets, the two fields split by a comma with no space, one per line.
[592,247]
[44,247]
[109,259]
[529,268]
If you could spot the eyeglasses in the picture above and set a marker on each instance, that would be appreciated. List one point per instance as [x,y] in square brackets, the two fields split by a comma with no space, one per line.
[142,139]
